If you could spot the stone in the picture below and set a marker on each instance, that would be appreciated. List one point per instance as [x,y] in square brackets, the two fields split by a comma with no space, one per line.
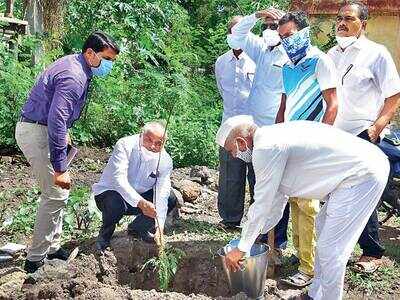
[190,190]
[52,270]
[11,281]
[201,172]
[180,203]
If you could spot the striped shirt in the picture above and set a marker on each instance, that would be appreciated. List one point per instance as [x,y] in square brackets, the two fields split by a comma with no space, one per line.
[303,85]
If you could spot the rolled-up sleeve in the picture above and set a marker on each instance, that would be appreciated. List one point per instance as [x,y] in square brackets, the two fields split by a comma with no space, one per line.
[163,190]
[67,93]
[243,38]
[269,203]
[119,165]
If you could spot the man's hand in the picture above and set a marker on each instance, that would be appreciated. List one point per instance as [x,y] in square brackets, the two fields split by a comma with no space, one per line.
[373,133]
[233,259]
[159,236]
[271,13]
[147,208]
[62,180]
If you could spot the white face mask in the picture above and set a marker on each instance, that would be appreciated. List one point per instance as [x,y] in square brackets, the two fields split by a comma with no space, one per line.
[345,41]
[246,155]
[146,154]
[230,39]
[271,37]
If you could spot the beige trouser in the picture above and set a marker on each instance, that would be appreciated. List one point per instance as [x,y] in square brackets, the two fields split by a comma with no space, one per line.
[33,141]
[304,213]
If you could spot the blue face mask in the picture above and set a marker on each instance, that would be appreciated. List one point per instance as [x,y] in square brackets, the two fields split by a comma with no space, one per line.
[104,68]
[296,45]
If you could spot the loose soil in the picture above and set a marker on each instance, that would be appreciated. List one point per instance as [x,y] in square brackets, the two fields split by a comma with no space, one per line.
[119,273]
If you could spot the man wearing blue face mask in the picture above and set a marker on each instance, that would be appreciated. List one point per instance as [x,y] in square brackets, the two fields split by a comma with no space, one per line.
[54,103]
[309,93]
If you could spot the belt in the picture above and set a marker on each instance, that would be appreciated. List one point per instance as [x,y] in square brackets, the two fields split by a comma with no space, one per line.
[26,120]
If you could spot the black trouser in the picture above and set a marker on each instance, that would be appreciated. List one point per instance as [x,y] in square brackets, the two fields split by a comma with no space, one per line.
[114,207]
[232,186]
[369,239]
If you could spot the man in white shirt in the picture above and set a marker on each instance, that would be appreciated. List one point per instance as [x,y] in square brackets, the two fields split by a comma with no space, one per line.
[269,57]
[369,93]
[131,182]
[265,94]
[314,161]
[234,72]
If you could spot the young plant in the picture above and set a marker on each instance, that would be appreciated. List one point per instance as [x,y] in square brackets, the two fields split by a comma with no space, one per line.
[166,264]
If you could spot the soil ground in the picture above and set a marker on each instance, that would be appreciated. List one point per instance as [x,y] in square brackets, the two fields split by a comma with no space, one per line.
[119,273]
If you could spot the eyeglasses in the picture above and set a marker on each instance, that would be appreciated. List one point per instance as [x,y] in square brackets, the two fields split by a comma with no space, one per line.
[272,26]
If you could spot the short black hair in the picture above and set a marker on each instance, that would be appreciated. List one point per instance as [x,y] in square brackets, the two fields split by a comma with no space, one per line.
[298,17]
[98,41]
[362,9]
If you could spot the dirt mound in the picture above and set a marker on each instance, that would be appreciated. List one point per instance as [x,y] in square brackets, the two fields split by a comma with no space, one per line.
[119,274]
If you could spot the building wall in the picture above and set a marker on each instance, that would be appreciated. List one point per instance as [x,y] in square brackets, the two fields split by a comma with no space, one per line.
[381,29]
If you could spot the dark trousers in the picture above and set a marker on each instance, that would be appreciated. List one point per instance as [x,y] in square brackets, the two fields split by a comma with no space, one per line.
[114,207]
[281,229]
[232,186]
[369,239]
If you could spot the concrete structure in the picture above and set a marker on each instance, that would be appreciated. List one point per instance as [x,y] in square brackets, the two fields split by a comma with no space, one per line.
[383,25]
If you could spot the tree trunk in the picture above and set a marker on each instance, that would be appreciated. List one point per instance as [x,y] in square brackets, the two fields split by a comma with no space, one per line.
[53,22]
[9,8]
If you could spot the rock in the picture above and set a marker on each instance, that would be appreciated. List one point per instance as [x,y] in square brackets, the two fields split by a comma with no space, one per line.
[201,172]
[11,281]
[180,203]
[52,270]
[6,159]
[190,190]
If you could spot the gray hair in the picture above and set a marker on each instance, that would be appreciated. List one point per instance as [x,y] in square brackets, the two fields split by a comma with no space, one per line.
[233,22]
[244,131]
[152,126]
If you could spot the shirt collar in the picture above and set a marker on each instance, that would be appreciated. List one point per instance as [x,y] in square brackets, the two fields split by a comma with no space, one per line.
[241,56]
[85,66]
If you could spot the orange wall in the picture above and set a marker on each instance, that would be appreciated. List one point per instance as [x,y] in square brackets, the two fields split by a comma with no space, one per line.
[381,29]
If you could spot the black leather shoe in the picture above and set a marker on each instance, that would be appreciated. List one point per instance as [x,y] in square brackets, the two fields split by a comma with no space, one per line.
[146,237]
[32,266]
[59,254]
[229,225]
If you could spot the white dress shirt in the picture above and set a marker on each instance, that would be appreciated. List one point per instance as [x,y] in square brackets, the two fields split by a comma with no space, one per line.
[265,95]
[303,159]
[234,80]
[367,76]
[129,174]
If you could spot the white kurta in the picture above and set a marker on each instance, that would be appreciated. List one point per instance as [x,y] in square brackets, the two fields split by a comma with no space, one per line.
[129,174]
[265,95]
[234,80]
[367,75]
[316,161]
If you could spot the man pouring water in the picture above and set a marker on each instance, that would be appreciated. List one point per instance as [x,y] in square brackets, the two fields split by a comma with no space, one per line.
[308,160]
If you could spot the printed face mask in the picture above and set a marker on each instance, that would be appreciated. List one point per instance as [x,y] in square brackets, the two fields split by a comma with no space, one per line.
[296,45]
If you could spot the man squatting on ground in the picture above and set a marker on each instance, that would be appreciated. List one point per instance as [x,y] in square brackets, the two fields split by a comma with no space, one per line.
[308,160]
[132,185]
[234,73]
[54,104]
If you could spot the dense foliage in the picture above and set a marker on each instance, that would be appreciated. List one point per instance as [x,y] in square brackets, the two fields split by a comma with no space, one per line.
[166,66]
